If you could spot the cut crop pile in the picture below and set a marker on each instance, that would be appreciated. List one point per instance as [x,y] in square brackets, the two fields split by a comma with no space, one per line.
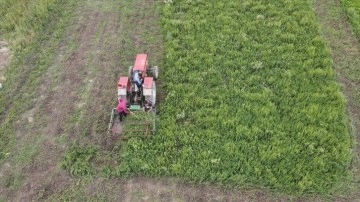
[252,99]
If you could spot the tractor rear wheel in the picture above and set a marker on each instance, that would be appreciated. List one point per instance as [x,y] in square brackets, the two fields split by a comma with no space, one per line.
[153,98]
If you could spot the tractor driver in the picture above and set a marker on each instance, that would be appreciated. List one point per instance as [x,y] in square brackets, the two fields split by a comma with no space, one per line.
[137,79]
[122,108]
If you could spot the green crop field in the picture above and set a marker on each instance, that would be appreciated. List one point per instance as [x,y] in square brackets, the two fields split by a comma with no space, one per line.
[252,99]
[352,8]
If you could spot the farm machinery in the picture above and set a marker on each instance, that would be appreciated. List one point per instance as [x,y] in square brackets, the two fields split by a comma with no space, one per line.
[138,89]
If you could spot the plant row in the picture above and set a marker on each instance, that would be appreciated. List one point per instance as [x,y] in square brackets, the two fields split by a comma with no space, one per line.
[352,8]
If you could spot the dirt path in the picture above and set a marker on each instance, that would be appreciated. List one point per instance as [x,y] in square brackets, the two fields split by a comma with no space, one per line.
[89,45]
[345,50]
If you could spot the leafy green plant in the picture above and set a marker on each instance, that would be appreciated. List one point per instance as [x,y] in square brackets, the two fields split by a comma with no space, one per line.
[78,161]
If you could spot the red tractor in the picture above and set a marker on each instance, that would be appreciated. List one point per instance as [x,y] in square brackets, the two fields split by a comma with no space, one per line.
[139,90]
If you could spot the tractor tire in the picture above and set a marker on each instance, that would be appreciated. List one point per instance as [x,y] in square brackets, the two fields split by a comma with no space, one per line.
[153,99]
[130,71]
[155,72]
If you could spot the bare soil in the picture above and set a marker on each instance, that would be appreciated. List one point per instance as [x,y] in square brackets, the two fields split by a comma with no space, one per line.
[144,189]
[5,58]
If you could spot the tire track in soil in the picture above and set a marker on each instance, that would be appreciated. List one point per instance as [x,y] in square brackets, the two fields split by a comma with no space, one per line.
[44,176]
[106,64]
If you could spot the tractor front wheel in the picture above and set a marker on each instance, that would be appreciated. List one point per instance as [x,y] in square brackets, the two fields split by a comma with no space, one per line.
[155,72]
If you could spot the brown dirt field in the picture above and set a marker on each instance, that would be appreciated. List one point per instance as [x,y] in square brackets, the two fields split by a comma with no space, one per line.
[64,84]
[144,189]
[78,92]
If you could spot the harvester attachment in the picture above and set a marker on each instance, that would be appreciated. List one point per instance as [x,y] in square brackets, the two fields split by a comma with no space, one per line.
[138,123]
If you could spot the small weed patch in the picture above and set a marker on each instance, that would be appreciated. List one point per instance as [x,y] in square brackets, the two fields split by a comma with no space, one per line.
[78,161]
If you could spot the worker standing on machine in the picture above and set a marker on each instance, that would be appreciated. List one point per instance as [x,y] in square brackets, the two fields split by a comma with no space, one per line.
[138,84]
[122,109]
